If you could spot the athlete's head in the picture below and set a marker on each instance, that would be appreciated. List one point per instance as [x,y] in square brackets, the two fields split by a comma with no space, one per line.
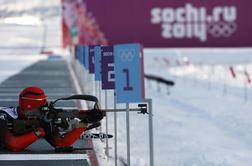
[30,100]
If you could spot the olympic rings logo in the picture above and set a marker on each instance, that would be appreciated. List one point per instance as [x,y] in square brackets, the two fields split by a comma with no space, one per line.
[127,54]
[221,29]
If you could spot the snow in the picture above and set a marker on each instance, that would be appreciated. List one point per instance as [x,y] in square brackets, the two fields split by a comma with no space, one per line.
[23,25]
[24,20]
[10,65]
[38,8]
[205,119]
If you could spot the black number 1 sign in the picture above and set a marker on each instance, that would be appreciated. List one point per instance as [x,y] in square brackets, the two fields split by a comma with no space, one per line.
[127,87]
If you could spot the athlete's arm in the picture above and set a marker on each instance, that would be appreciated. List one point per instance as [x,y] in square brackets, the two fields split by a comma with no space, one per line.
[17,143]
[58,140]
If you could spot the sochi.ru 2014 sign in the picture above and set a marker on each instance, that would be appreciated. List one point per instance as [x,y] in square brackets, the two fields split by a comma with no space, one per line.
[189,21]
[174,23]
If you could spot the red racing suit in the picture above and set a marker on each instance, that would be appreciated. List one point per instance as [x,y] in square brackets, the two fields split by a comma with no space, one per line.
[18,143]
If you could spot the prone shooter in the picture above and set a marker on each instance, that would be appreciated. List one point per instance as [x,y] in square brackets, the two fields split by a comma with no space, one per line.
[35,118]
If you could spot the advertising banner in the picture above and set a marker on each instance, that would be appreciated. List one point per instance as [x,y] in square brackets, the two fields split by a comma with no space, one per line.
[174,23]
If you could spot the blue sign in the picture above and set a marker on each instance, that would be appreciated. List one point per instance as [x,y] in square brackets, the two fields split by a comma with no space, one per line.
[128,73]
[81,54]
[97,59]
[107,65]
[86,58]
[77,53]
[91,59]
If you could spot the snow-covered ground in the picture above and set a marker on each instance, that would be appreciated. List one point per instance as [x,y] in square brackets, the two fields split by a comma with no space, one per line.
[205,120]
[10,65]
[28,26]
[37,8]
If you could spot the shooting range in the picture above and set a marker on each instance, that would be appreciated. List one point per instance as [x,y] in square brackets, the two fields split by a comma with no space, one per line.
[141,82]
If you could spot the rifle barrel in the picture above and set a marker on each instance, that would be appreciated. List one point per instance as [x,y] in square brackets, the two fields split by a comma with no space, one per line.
[121,110]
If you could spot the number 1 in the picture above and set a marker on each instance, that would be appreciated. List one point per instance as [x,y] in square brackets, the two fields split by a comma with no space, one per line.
[127,87]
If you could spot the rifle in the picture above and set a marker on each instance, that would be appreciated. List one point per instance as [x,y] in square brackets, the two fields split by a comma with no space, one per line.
[59,118]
